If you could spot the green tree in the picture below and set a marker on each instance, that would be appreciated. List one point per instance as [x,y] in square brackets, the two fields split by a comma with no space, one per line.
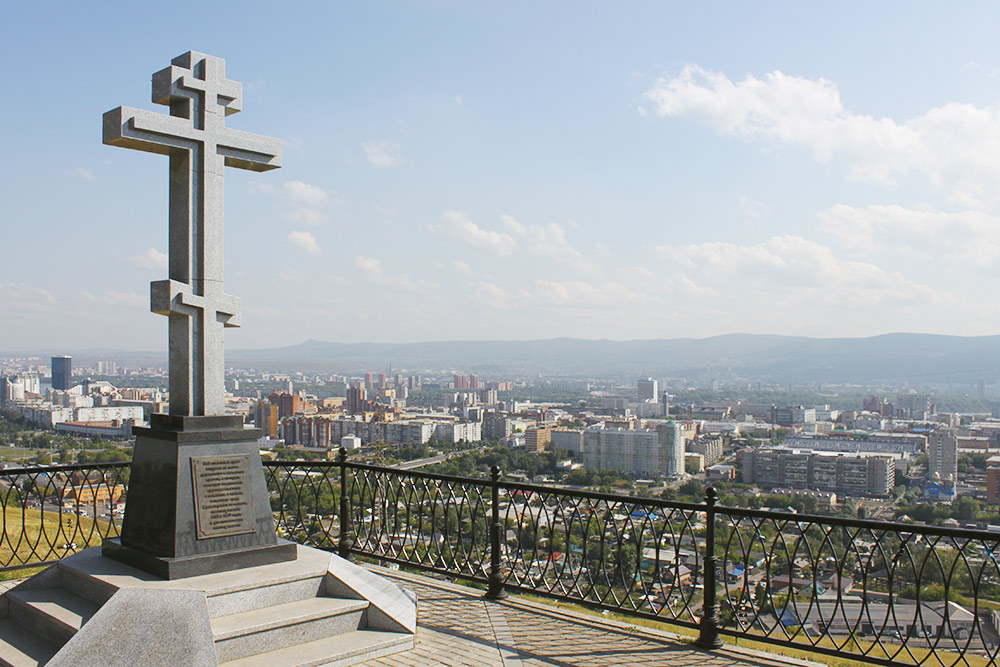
[966,508]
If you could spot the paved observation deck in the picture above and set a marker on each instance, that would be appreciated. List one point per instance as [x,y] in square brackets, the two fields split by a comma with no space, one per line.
[455,626]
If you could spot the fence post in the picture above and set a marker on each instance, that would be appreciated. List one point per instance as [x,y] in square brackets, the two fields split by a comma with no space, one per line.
[345,543]
[708,631]
[494,588]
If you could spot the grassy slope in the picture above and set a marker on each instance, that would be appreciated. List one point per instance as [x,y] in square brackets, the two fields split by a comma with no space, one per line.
[29,537]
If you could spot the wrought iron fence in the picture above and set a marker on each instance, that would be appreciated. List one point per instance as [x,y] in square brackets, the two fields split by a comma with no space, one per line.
[50,512]
[882,592]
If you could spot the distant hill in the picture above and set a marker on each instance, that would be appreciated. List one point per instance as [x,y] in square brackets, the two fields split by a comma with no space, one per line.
[891,357]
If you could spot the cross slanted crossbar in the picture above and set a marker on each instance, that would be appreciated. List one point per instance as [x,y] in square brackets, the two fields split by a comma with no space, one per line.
[200,146]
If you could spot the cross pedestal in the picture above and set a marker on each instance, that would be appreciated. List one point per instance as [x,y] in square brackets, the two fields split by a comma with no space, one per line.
[197,501]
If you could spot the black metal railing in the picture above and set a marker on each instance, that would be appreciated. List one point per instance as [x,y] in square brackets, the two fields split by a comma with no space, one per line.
[50,512]
[881,592]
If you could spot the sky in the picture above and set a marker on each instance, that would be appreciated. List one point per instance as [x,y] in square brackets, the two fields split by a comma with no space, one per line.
[519,170]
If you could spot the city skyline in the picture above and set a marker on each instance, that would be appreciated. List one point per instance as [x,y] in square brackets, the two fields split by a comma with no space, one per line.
[461,173]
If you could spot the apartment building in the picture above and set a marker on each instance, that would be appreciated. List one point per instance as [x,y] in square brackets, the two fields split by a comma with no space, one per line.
[708,446]
[993,485]
[852,474]
[942,455]
[536,438]
[319,431]
[634,451]
[568,439]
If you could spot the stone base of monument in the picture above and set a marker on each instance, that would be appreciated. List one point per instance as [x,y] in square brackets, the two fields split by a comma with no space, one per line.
[197,500]
[318,610]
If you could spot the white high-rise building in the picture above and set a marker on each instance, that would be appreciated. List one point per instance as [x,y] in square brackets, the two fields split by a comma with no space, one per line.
[639,452]
[942,455]
[672,448]
[647,389]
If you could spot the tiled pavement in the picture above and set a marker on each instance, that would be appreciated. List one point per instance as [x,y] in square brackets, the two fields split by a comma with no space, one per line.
[456,627]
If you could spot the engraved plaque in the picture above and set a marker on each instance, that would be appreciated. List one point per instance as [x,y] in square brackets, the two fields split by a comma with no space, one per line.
[223,499]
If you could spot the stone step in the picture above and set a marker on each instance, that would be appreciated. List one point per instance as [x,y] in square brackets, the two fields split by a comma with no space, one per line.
[346,649]
[22,648]
[84,584]
[49,612]
[95,578]
[248,596]
[250,632]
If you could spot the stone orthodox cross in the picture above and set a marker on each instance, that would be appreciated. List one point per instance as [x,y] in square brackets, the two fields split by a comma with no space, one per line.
[199,144]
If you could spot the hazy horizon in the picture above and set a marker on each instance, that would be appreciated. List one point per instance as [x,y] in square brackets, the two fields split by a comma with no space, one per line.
[105,348]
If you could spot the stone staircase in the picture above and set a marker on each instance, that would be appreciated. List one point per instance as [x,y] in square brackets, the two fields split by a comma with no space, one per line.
[90,610]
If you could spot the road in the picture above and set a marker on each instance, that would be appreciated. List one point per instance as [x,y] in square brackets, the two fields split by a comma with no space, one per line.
[419,463]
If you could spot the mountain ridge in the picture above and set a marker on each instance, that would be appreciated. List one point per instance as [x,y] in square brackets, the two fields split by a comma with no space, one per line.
[932,357]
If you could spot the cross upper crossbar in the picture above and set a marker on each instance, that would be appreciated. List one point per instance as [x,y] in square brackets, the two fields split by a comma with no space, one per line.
[200,146]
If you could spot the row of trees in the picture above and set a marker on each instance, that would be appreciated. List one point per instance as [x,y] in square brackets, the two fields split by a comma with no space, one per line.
[478,463]
[53,447]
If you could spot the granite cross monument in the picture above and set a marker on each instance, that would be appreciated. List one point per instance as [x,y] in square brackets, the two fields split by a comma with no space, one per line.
[198,576]
[197,498]
[199,145]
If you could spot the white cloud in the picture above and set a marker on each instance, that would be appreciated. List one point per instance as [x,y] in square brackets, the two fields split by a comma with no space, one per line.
[151,259]
[754,209]
[305,241]
[636,275]
[464,268]
[578,293]
[796,271]
[37,318]
[84,174]
[374,272]
[112,298]
[382,153]
[22,298]
[459,227]
[549,241]
[312,195]
[459,99]
[305,203]
[491,295]
[956,146]
[308,202]
[513,225]
[968,238]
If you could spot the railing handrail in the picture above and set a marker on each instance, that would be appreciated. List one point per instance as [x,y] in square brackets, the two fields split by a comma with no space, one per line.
[895,526]
[67,467]
[871,524]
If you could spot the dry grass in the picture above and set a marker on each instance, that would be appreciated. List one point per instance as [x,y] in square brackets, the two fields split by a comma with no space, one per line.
[27,537]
